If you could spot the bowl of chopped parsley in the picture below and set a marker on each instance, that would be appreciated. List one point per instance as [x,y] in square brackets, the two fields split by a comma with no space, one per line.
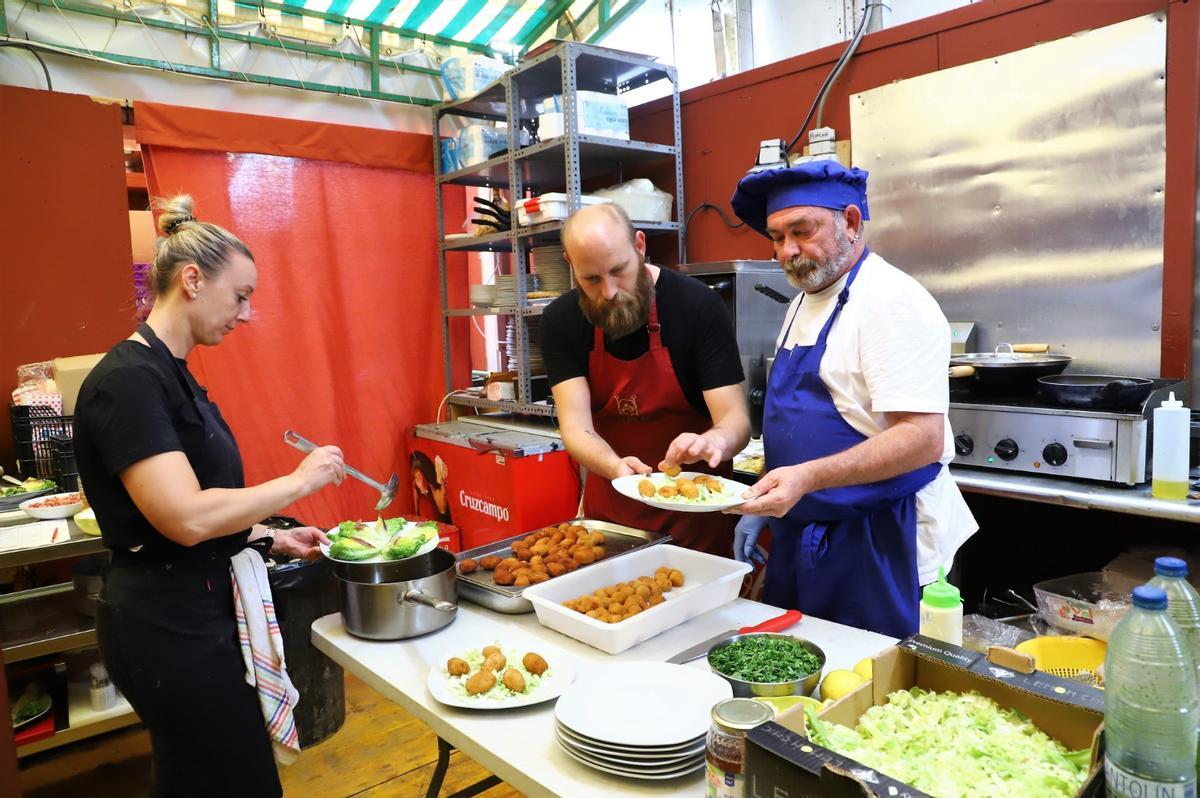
[768,664]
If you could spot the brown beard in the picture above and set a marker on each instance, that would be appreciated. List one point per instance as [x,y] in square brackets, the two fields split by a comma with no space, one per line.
[624,313]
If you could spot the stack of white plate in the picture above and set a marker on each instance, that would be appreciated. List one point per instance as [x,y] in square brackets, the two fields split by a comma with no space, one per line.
[533,324]
[482,295]
[641,720]
[506,289]
[553,271]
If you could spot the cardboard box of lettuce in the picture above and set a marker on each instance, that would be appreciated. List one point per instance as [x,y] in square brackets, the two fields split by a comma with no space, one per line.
[936,720]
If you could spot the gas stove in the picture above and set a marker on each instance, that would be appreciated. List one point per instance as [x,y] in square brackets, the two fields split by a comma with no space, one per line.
[1031,435]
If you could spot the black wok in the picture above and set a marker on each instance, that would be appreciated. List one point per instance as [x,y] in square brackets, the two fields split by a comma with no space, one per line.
[1096,391]
[1007,373]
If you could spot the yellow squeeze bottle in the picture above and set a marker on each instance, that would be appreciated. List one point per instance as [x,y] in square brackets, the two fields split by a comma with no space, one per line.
[1172,437]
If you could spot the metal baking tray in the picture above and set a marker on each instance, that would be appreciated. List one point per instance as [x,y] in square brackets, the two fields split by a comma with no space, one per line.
[478,586]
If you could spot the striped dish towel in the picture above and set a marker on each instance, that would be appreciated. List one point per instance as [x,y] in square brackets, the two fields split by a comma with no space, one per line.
[262,649]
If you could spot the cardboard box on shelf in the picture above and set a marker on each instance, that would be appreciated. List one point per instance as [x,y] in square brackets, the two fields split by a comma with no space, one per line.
[781,762]
[69,373]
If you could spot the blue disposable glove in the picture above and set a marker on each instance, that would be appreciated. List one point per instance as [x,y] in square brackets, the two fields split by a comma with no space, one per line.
[745,539]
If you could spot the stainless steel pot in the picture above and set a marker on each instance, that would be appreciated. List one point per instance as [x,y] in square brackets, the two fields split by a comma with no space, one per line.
[398,599]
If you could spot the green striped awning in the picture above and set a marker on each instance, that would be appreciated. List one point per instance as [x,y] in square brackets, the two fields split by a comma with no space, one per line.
[505,25]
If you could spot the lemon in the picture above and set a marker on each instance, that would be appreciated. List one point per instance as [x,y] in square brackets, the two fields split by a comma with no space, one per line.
[838,683]
[863,668]
[781,704]
[86,521]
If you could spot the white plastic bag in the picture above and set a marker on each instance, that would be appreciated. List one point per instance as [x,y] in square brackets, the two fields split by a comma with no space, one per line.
[640,199]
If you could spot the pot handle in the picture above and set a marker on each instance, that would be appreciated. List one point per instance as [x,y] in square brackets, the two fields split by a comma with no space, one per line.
[417,597]
[957,372]
[1031,348]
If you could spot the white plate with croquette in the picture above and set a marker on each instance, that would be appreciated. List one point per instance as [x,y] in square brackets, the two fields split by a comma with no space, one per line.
[686,492]
[501,674]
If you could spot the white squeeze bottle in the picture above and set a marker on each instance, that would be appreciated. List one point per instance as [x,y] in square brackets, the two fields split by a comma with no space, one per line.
[1172,437]
[941,611]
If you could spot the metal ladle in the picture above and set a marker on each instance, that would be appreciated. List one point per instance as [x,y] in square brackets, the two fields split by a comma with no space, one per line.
[386,492]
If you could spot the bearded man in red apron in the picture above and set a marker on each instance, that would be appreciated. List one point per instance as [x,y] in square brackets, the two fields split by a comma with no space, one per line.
[862,509]
[645,371]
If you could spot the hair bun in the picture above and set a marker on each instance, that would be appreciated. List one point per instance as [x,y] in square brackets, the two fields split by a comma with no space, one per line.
[174,213]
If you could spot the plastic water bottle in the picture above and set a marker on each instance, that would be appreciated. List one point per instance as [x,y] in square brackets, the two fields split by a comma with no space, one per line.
[1150,704]
[1183,605]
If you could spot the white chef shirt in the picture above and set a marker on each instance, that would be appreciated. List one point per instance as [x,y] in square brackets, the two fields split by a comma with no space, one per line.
[888,352]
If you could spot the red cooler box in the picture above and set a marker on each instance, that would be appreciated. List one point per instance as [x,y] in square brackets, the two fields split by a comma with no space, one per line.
[490,482]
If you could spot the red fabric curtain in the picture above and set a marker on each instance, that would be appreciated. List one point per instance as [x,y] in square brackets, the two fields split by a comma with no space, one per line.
[345,345]
[224,131]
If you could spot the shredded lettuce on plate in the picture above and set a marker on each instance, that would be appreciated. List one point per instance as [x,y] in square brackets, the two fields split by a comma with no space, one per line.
[954,745]
[457,685]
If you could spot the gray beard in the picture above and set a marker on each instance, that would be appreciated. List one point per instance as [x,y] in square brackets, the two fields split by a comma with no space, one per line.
[811,276]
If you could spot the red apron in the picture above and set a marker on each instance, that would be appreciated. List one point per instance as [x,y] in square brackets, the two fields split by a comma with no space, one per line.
[638,407]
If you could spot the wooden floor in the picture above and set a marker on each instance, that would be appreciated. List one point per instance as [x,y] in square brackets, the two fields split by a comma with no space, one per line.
[380,752]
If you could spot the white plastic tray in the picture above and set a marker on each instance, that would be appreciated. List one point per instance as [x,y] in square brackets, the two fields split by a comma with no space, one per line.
[709,582]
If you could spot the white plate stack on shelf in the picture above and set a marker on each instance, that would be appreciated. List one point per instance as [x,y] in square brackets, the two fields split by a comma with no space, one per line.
[649,720]
[553,271]
[506,289]
[533,324]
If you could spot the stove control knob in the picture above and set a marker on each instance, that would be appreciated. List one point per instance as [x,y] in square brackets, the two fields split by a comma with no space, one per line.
[1055,454]
[1007,449]
[963,445]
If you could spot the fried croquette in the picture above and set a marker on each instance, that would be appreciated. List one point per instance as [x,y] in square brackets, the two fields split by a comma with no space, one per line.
[615,603]
[490,650]
[489,562]
[457,667]
[467,566]
[668,491]
[494,661]
[673,471]
[481,682]
[646,488]
[514,681]
[534,663]
[688,489]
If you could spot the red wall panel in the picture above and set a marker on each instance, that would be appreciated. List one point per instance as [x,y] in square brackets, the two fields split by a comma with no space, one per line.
[723,121]
[66,263]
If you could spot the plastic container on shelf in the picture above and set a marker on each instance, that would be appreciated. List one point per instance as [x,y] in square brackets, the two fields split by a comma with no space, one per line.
[941,611]
[477,143]
[466,75]
[1151,707]
[597,114]
[709,582]
[1090,604]
[1172,432]
[549,207]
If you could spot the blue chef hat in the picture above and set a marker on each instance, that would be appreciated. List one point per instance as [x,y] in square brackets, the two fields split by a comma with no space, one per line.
[821,184]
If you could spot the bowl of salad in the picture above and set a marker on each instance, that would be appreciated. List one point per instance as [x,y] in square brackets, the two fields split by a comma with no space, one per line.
[767,664]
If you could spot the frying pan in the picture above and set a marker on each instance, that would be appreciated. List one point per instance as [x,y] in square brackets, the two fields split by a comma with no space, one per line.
[1096,391]
[1008,373]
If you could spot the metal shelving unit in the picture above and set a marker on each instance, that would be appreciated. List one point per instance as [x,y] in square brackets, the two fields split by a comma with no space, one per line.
[559,164]
[46,620]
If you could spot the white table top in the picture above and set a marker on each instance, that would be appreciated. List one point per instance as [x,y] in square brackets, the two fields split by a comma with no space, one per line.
[518,745]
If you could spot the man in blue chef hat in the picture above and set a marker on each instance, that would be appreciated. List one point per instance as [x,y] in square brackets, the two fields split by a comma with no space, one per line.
[855,432]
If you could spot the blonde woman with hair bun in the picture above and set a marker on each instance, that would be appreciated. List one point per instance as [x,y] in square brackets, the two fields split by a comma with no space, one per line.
[164,474]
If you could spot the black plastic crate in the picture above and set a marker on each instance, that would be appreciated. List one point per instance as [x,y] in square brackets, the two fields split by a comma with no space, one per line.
[33,429]
[62,459]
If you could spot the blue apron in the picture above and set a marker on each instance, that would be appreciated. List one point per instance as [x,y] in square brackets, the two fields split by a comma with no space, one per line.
[845,554]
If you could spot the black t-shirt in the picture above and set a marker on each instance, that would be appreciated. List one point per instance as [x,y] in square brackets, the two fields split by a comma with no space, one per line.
[134,405]
[696,331]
